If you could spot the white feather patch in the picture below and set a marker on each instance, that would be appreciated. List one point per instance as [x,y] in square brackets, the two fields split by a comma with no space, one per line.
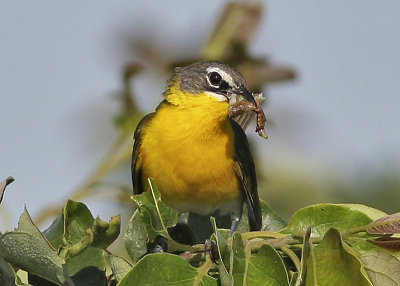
[218,96]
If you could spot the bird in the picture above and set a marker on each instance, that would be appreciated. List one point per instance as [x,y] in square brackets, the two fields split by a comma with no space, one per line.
[198,156]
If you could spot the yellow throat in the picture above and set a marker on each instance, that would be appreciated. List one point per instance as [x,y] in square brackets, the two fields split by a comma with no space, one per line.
[188,147]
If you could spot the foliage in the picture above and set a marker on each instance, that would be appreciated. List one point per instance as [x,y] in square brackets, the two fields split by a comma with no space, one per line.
[323,244]
[67,253]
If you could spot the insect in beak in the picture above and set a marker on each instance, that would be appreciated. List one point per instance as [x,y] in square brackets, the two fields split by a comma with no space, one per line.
[243,91]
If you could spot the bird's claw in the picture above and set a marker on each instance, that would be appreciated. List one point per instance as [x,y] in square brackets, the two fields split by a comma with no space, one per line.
[211,248]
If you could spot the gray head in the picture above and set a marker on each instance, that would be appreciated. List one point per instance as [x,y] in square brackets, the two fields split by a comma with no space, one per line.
[215,78]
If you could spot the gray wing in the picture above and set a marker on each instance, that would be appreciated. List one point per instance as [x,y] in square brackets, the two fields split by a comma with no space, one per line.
[135,168]
[246,171]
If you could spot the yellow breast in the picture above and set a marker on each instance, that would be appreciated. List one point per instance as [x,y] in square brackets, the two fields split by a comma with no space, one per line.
[188,148]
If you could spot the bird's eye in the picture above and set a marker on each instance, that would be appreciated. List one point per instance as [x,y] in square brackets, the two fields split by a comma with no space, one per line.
[215,78]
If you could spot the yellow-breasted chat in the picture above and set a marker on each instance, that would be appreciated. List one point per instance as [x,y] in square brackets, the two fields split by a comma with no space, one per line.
[198,156]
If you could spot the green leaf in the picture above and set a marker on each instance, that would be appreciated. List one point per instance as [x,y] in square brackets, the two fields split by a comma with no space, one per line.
[136,237]
[91,256]
[86,268]
[77,220]
[36,280]
[305,254]
[370,212]
[295,280]
[54,233]
[88,276]
[239,259]
[225,276]
[271,221]
[119,266]
[322,217]
[362,246]
[7,274]
[28,249]
[331,264]
[104,233]
[383,269]
[156,216]
[81,230]
[167,269]
[266,268]
[220,237]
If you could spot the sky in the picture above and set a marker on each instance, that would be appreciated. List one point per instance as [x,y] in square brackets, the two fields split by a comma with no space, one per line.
[61,62]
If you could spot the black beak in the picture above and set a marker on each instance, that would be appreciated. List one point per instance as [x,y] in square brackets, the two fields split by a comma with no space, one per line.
[243,91]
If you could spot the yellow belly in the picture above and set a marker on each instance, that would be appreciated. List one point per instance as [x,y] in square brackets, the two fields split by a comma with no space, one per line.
[189,152]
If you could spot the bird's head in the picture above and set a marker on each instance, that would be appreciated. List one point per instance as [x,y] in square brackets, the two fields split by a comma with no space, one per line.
[215,79]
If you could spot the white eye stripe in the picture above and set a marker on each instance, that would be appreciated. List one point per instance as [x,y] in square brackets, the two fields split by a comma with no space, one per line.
[226,77]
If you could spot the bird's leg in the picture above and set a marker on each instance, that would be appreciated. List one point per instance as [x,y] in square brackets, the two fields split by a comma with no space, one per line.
[236,215]
[183,217]
[180,233]
[210,247]
[234,225]
[160,244]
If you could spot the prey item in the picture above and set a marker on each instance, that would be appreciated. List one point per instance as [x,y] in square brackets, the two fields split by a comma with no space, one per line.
[243,112]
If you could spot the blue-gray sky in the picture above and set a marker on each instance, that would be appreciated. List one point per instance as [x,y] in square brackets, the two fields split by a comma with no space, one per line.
[60,61]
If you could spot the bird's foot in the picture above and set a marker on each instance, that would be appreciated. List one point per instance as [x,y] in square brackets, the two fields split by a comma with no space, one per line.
[159,245]
[210,247]
[234,225]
